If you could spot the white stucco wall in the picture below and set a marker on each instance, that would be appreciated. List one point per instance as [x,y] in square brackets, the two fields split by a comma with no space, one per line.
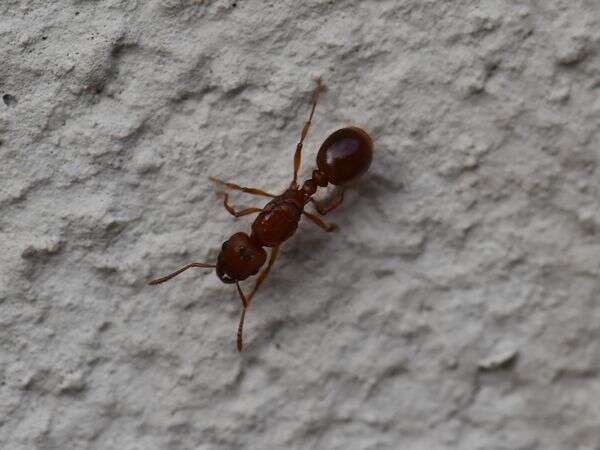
[457,308]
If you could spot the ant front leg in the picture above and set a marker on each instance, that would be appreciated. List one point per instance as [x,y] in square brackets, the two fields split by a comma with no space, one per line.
[298,153]
[325,209]
[246,300]
[264,273]
[325,226]
[231,209]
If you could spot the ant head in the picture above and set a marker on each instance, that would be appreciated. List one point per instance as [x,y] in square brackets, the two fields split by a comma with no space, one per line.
[240,257]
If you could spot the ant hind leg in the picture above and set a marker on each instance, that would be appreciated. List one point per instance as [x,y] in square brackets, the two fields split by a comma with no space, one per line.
[298,153]
[324,225]
[325,209]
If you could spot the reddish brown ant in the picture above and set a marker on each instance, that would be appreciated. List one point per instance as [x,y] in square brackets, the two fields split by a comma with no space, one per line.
[345,155]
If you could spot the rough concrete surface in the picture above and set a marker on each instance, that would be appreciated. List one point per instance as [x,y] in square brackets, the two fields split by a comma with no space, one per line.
[457,308]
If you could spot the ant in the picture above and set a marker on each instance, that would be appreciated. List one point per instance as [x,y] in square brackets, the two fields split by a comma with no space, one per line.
[345,155]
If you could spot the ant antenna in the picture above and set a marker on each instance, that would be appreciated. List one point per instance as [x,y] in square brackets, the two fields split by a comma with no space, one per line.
[245,303]
[177,272]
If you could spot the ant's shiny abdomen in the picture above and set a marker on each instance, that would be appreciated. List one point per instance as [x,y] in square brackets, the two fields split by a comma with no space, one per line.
[345,155]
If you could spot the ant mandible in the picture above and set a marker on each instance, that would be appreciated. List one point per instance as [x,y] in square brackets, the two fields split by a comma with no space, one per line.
[345,155]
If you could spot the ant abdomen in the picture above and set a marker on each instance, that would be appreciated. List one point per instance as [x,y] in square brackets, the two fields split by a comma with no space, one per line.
[345,155]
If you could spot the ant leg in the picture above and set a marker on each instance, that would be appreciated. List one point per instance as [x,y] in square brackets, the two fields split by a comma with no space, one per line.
[246,300]
[177,272]
[264,273]
[231,209]
[326,226]
[237,187]
[240,330]
[298,153]
[325,209]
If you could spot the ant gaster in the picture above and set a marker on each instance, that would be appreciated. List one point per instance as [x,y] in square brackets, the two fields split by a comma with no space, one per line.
[345,155]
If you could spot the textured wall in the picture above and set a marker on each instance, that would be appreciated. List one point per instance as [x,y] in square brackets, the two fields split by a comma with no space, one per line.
[457,308]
